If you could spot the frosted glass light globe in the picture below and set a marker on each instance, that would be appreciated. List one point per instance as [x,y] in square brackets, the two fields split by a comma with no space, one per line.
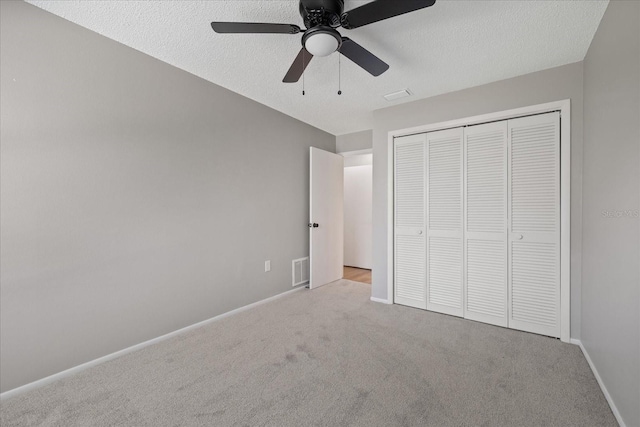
[321,44]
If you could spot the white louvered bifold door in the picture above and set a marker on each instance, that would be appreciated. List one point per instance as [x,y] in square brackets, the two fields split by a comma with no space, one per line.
[534,224]
[486,223]
[444,222]
[409,234]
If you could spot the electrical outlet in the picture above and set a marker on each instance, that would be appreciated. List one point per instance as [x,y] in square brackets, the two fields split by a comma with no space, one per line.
[267,266]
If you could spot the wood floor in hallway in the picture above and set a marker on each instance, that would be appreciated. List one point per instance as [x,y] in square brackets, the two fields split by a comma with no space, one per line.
[357,274]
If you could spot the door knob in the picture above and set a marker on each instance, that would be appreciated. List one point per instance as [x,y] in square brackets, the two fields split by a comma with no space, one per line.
[520,237]
[313,224]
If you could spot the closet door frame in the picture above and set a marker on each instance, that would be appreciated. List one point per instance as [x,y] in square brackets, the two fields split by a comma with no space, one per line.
[564,107]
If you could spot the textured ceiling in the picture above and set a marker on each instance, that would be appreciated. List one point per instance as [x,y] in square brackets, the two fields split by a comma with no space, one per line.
[450,46]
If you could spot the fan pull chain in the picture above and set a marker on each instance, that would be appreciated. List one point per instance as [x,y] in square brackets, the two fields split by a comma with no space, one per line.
[303,68]
[339,80]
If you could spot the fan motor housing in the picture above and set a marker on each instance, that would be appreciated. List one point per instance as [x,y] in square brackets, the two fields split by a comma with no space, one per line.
[321,12]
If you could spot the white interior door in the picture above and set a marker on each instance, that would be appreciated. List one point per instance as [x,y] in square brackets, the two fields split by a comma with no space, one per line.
[410,256]
[485,176]
[444,222]
[326,221]
[534,224]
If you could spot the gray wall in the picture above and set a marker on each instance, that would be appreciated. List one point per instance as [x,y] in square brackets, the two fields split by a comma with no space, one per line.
[611,192]
[536,88]
[355,141]
[136,198]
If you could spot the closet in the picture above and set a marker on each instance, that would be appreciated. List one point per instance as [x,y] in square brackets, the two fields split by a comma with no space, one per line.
[477,222]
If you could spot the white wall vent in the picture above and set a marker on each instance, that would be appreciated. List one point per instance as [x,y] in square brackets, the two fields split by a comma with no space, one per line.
[300,271]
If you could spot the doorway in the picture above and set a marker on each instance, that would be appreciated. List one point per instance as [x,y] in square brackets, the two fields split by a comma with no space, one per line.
[358,225]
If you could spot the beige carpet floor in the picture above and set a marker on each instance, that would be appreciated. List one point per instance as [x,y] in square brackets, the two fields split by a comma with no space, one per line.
[329,357]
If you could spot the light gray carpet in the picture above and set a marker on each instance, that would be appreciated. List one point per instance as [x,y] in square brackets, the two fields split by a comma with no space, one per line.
[330,357]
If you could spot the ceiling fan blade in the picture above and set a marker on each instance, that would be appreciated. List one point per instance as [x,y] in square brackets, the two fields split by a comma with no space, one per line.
[379,10]
[362,57]
[254,27]
[298,66]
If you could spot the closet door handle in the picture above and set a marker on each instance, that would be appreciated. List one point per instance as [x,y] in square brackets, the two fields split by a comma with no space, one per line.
[520,237]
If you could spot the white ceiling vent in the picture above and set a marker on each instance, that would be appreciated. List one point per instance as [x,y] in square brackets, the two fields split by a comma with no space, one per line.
[397,95]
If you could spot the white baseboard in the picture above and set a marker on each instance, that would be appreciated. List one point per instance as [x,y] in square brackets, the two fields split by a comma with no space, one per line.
[614,409]
[71,371]
[380,300]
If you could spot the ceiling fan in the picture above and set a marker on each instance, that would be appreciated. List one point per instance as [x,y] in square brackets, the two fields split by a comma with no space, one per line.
[322,17]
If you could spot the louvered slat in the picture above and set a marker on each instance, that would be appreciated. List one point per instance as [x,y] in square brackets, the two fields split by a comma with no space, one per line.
[534,203]
[445,273]
[485,172]
[445,175]
[534,290]
[444,214]
[410,268]
[534,177]
[409,197]
[487,280]
[410,242]
[485,176]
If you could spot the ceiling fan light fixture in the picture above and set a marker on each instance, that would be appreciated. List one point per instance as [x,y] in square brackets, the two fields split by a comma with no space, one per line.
[322,17]
[321,41]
